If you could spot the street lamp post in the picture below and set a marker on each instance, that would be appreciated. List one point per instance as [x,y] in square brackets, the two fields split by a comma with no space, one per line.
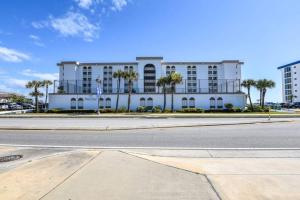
[98,81]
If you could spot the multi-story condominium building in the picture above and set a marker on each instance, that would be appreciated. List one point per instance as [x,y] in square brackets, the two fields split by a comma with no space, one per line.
[290,82]
[207,85]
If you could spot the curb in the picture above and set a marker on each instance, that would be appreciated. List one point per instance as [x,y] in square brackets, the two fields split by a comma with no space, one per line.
[137,128]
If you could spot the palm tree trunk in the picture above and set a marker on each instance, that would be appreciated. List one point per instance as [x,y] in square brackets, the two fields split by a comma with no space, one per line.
[46,105]
[263,98]
[129,95]
[117,104]
[165,99]
[172,99]
[36,101]
[260,97]
[250,100]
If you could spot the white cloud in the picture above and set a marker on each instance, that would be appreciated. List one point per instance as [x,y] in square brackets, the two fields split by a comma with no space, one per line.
[73,24]
[42,76]
[13,82]
[118,4]
[11,55]
[84,3]
[36,40]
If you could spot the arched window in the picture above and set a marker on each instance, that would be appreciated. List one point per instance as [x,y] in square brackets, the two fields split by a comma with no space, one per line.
[149,102]
[107,103]
[173,69]
[80,103]
[73,103]
[220,102]
[142,102]
[192,102]
[168,70]
[184,102]
[101,103]
[149,78]
[212,103]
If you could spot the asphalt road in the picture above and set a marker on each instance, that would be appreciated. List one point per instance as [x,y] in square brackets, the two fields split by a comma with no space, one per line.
[276,135]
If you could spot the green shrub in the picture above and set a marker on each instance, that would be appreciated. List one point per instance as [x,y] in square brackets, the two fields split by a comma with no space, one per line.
[141,109]
[167,110]
[156,109]
[237,109]
[122,109]
[106,110]
[228,106]
[192,110]
[57,110]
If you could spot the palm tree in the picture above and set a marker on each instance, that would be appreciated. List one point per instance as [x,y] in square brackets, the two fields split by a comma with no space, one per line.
[248,83]
[174,78]
[46,84]
[259,86]
[163,82]
[130,77]
[269,85]
[36,93]
[262,85]
[118,75]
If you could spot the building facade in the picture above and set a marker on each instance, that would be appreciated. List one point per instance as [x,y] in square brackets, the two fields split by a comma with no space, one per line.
[206,85]
[290,82]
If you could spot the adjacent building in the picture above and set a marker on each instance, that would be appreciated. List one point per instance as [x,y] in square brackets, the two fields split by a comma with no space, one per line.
[290,82]
[207,85]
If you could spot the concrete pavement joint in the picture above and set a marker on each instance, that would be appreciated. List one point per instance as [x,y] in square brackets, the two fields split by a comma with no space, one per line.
[65,179]
[212,187]
[141,128]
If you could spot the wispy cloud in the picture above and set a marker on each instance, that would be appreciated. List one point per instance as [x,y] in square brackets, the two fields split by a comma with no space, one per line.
[118,4]
[13,82]
[12,55]
[85,4]
[42,76]
[74,24]
[36,40]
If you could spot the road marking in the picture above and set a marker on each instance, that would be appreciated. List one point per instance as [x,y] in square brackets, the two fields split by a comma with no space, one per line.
[158,148]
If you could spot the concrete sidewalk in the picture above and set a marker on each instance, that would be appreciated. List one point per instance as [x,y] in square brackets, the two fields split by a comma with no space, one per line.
[151,175]
[104,124]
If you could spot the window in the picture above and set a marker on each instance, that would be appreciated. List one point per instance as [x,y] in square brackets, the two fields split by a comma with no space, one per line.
[101,101]
[192,102]
[149,102]
[212,103]
[142,102]
[107,103]
[184,102]
[220,102]
[80,103]
[149,78]
[191,79]
[73,103]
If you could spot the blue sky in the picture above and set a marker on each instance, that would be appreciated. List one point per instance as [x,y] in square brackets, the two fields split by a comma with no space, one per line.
[35,35]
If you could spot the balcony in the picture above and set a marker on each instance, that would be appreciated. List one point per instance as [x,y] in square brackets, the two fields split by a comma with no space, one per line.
[199,86]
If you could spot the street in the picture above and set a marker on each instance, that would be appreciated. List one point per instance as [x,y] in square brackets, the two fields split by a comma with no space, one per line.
[273,135]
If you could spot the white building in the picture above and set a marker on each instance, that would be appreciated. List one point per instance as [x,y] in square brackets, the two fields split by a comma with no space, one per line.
[290,82]
[207,85]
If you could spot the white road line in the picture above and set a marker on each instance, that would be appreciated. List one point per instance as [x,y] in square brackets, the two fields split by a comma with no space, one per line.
[158,148]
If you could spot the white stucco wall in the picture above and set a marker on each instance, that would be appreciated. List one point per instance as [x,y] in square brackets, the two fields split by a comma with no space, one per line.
[201,100]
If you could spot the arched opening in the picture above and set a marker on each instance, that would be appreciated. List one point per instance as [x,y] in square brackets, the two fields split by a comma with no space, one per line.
[142,102]
[107,103]
[192,102]
[184,102]
[220,102]
[149,78]
[101,103]
[80,103]
[150,102]
[73,104]
[212,103]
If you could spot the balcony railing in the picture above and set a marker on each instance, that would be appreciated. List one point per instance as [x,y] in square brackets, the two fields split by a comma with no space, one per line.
[199,86]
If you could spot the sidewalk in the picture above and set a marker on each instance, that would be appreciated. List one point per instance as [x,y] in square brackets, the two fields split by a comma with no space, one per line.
[153,175]
[104,124]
